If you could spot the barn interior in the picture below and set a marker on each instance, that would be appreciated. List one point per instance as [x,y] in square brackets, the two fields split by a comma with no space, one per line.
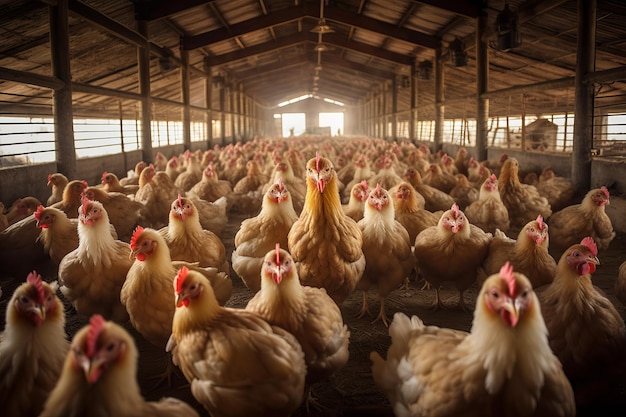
[88,86]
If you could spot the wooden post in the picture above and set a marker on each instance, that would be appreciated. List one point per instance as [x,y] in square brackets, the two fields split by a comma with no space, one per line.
[394,109]
[482,85]
[62,100]
[223,114]
[208,99]
[185,94]
[143,60]
[439,101]
[413,106]
[584,96]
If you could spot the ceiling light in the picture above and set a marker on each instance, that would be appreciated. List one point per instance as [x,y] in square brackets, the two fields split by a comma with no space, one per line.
[322,27]
[320,47]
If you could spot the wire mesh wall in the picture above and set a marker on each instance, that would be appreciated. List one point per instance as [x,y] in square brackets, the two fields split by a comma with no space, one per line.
[609,122]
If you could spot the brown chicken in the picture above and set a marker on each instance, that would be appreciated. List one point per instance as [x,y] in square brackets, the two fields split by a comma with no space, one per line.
[173,168]
[528,254]
[451,251]
[464,193]
[306,312]
[502,367]
[147,293]
[57,183]
[258,235]
[213,216]
[295,185]
[558,190]
[324,242]
[477,173]
[21,209]
[99,378]
[589,218]
[191,175]
[356,203]
[156,192]
[434,199]
[408,212]
[386,177]
[437,178]
[489,212]
[362,172]
[72,198]
[124,213]
[522,201]
[59,235]
[133,176]
[160,161]
[32,347]
[210,188]
[111,183]
[188,241]
[253,180]
[620,284]
[92,275]
[387,249]
[238,365]
[587,333]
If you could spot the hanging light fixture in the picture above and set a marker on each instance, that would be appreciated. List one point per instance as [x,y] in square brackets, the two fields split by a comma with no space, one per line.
[322,26]
[424,69]
[507,28]
[458,56]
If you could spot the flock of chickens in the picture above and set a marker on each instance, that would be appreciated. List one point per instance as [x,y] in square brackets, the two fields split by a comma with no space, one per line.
[322,221]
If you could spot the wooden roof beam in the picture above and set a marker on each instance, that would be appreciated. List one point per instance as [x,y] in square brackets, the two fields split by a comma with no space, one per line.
[159,9]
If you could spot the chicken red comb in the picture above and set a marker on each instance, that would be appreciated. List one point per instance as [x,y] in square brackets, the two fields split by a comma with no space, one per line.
[506,272]
[34,279]
[364,185]
[493,177]
[84,203]
[133,240]
[180,201]
[605,191]
[38,212]
[49,176]
[377,189]
[317,161]
[590,244]
[96,326]
[278,254]
[180,279]
[281,186]
[540,222]
[455,209]
[104,174]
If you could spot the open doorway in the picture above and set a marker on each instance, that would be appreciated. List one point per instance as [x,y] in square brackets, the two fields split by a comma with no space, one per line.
[332,120]
[293,124]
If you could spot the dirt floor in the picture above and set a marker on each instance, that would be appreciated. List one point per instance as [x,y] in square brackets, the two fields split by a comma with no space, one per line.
[351,391]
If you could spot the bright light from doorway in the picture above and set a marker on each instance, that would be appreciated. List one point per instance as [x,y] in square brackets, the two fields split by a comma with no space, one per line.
[332,120]
[293,124]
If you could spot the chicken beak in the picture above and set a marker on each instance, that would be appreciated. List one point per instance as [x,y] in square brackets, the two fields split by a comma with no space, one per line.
[92,369]
[321,184]
[510,313]
[182,300]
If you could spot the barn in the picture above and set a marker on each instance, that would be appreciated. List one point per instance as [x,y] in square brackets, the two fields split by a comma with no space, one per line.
[94,86]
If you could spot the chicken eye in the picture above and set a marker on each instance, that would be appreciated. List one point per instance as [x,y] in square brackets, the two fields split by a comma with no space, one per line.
[110,347]
[24,299]
[532,229]
[49,298]
[495,294]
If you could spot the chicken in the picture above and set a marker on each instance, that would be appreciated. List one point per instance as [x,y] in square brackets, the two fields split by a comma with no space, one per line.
[356,204]
[59,235]
[133,176]
[111,183]
[324,242]
[32,347]
[238,365]
[437,178]
[463,193]
[386,176]
[451,251]
[147,293]
[124,213]
[306,312]
[91,276]
[362,172]
[295,185]
[72,198]
[434,199]
[4,223]
[477,173]
[502,367]
[408,211]
[210,187]
[528,254]
[620,284]
[173,168]
[57,183]
[589,218]
[489,212]
[213,216]
[586,331]
[21,209]
[253,180]
[188,241]
[522,201]
[160,161]
[258,235]
[191,175]
[99,378]
[387,249]
[156,192]
[461,162]
[558,190]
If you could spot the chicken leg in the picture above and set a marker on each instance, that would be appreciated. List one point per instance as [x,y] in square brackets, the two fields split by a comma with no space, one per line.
[382,316]
[364,308]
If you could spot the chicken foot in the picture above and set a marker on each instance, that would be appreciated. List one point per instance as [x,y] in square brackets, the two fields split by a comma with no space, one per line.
[382,316]
[364,307]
